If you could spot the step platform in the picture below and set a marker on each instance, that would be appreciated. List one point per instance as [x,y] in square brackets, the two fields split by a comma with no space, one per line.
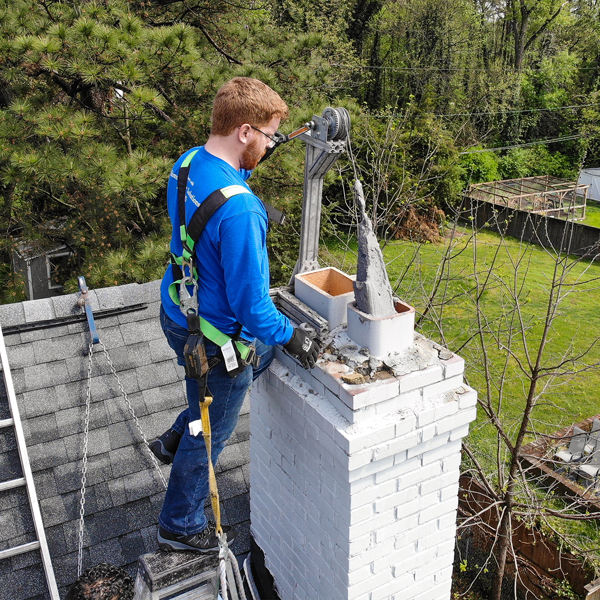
[180,575]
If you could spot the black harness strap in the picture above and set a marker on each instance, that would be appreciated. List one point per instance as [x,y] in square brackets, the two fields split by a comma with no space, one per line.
[274,215]
[182,178]
[204,212]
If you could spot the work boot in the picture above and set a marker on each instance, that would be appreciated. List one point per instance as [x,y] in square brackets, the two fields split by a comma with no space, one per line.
[165,446]
[205,541]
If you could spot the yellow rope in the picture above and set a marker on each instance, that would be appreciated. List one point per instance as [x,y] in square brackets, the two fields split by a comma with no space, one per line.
[212,480]
[225,554]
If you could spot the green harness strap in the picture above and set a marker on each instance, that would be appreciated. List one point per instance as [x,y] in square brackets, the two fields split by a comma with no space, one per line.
[189,238]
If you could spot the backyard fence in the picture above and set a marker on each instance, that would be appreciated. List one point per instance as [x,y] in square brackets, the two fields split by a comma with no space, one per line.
[543,560]
[559,235]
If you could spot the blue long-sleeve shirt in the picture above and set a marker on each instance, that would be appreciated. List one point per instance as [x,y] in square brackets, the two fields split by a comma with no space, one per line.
[231,255]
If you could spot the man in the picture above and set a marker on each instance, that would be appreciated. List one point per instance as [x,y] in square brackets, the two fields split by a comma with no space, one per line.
[233,293]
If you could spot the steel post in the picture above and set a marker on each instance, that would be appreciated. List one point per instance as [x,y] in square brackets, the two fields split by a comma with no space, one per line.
[320,157]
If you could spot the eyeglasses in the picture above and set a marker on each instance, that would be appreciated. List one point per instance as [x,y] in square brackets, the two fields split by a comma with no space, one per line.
[272,140]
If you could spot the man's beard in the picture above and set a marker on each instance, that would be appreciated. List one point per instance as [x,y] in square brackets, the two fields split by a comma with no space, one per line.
[251,156]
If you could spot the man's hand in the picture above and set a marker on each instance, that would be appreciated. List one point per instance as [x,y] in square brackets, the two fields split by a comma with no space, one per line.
[303,347]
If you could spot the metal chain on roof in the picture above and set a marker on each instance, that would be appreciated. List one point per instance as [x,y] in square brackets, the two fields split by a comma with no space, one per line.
[86,429]
[133,415]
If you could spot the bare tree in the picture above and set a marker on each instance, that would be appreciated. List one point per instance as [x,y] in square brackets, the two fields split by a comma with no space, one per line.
[502,340]
[401,171]
[519,18]
[476,297]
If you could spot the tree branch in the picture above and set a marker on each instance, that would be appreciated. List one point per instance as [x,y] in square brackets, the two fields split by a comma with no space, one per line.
[213,43]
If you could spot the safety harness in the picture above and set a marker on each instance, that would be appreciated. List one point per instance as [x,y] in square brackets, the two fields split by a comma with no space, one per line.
[236,354]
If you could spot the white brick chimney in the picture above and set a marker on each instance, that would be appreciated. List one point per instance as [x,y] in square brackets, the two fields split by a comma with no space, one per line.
[354,488]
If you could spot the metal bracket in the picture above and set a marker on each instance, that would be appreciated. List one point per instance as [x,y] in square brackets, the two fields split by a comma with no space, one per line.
[84,301]
[320,157]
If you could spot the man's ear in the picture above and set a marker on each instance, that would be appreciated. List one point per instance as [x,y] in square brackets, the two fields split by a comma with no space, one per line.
[243,132]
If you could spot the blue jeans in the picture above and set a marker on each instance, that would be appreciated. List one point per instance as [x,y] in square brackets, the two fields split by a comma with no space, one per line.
[183,508]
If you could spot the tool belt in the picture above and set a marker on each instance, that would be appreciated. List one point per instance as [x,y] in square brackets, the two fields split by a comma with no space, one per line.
[237,355]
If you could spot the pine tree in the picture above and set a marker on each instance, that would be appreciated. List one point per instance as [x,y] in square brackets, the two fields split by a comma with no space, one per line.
[97,100]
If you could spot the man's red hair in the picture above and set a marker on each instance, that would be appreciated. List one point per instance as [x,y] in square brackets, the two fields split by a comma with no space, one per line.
[245,100]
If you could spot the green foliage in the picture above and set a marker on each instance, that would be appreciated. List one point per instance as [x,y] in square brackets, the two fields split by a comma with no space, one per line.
[499,74]
[98,99]
[589,145]
[420,49]
[516,164]
[11,284]
[528,162]
[479,167]
[550,83]
[68,135]
[145,261]
[408,165]
[564,590]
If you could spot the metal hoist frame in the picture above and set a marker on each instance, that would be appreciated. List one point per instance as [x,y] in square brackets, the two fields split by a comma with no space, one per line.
[326,138]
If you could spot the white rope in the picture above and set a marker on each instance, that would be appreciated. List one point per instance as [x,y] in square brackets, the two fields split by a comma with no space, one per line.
[238,575]
[227,556]
[223,570]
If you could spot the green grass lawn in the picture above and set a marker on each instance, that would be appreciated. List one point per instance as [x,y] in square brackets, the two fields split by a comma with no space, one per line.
[413,269]
[592,214]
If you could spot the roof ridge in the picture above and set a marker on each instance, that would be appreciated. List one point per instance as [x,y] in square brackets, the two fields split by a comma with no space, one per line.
[47,310]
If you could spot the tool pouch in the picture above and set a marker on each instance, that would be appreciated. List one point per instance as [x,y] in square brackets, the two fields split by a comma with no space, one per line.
[194,353]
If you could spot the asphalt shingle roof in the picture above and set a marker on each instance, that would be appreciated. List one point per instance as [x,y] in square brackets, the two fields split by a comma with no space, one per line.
[49,367]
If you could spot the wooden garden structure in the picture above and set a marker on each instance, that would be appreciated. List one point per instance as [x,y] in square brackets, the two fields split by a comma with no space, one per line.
[544,195]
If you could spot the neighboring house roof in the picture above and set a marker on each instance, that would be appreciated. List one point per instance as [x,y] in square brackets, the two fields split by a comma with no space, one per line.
[123,492]
[30,250]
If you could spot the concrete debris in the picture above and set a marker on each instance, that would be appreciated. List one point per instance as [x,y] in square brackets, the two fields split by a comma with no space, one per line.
[349,358]
[339,348]
[354,378]
[444,353]
[375,364]
[372,289]
[420,356]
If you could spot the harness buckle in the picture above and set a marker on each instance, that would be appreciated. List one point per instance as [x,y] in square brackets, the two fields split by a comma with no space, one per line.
[187,264]
[188,303]
[252,358]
